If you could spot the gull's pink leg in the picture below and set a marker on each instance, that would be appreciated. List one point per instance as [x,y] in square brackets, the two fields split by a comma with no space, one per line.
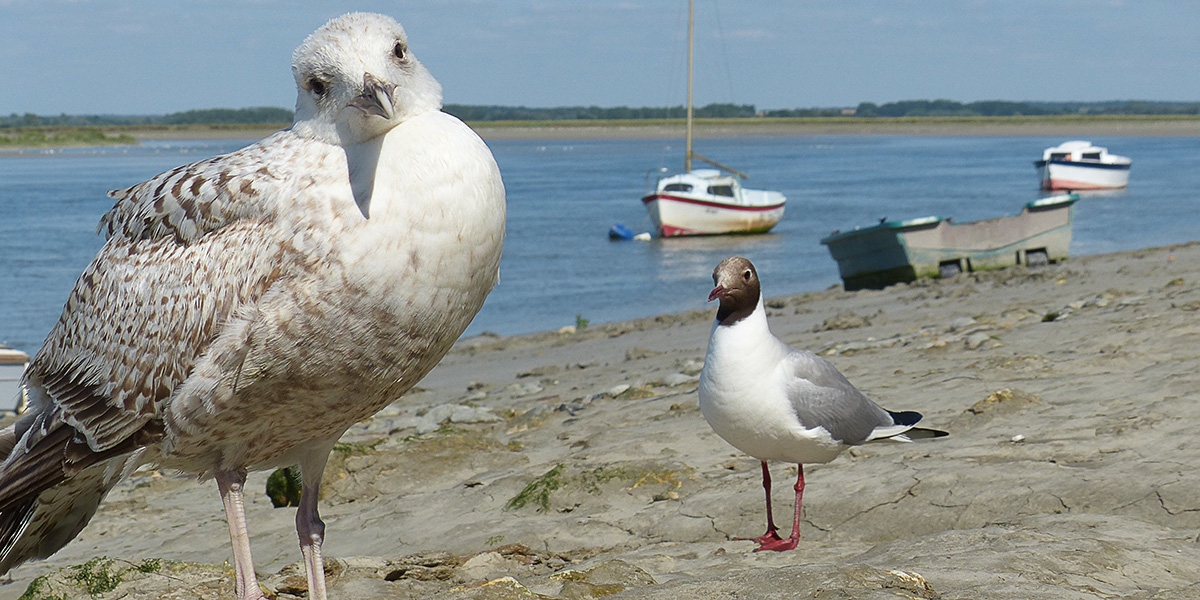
[309,526]
[230,484]
[788,544]
[772,534]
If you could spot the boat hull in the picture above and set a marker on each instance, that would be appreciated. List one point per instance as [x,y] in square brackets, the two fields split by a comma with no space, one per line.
[897,251]
[12,368]
[1069,175]
[674,216]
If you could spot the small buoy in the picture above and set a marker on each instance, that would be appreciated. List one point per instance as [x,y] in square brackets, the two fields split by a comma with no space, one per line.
[620,232]
[643,236]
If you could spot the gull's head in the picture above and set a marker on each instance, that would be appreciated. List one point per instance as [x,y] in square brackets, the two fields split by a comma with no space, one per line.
[735,283]
[356,79]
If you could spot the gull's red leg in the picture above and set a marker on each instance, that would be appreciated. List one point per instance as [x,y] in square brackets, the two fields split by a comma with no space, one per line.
[788,544]
[772,534]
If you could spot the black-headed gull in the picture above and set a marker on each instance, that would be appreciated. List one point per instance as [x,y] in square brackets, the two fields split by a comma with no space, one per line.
[247,309]
[774,402]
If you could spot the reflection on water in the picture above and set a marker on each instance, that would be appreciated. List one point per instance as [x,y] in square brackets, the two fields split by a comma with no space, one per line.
[691,257]
[1118,193]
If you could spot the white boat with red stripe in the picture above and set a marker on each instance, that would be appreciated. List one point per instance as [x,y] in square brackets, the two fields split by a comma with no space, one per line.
[709,202]
[1078,165]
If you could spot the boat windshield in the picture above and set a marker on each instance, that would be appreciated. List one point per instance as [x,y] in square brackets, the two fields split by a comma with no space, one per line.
[1091,156]
[721,190]
[677,187]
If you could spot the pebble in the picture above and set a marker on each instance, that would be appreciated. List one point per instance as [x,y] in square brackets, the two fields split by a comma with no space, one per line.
[961,323]
[487,565]
[675,379]
[472,414]
[520,390]
[434,417]
[977,339]
[575,405]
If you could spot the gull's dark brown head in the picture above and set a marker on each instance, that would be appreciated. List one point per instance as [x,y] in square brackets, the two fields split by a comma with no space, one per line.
[736,285]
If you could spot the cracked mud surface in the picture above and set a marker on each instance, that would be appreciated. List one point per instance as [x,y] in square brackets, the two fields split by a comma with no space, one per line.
[578,465]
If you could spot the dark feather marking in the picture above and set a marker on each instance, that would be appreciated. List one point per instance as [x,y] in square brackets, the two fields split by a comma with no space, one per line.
[39,468]
[177,189]
[908,417]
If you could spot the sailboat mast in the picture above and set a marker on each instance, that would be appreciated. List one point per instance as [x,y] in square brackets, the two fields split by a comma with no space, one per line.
[687,157]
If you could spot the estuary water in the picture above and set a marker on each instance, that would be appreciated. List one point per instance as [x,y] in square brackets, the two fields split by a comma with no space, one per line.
[563,195]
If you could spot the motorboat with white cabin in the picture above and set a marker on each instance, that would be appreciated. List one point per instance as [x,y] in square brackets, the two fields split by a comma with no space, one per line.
[709,202]
[1079,165]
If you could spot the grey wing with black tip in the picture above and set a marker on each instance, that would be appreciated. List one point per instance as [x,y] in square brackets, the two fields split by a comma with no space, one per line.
[822,397]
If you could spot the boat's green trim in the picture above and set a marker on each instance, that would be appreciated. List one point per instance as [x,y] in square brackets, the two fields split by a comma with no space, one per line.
[1053,201]
[917,223]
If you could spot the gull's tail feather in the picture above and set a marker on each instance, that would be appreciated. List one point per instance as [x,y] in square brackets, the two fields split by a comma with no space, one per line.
[906,418]
[41,524]
[904,429]
[41,509]
[923,433]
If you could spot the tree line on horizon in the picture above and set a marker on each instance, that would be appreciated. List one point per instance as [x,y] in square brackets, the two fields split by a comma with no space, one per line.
[213,116]
[904,108]
[1003,108]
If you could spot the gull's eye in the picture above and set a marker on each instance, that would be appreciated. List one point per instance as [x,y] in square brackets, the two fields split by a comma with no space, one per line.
[398,51]
[746,275]
[317,86]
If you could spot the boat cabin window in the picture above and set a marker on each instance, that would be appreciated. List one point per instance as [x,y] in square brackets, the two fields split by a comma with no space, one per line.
[721,190]
[677,187]
[1091,156]
[1060,156]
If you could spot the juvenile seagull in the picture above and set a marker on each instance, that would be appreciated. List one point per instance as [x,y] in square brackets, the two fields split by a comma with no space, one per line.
[774,402]
[247,309]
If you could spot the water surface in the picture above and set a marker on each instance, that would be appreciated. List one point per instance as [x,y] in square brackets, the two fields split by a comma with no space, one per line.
[563,195]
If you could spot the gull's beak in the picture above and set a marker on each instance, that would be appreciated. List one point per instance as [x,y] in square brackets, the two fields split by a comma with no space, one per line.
[376,98]
[717,292]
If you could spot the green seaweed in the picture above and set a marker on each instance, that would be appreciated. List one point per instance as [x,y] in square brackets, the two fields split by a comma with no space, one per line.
[284,487]
[97,576]
[39,590]
[358,448]
[150,565]
[538,491]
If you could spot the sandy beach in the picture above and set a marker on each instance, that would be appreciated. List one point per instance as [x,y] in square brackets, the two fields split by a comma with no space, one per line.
[577,464]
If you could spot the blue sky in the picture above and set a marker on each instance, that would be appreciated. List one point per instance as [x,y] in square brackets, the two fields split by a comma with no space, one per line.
[161,56]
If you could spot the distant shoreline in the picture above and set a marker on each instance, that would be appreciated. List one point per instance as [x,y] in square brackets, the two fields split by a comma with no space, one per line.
[1172,125]
[1186,126]
[1057,126]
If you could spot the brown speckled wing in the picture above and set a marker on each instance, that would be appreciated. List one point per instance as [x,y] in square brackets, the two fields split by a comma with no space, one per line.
[138,318]
[188,202]
[185,250]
